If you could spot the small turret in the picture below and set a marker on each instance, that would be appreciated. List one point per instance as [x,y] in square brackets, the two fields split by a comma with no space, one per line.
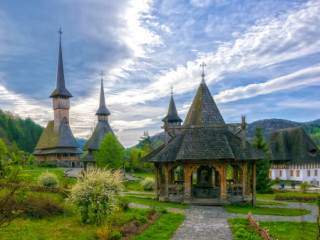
[172,119]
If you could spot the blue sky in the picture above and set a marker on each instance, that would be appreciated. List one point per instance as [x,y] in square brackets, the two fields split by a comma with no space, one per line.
[262,58]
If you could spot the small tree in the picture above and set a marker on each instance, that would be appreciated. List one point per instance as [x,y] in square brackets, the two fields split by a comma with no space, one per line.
[145,142]
[95,194]
[11,192]
[148,184]
[263,166]
[110,153]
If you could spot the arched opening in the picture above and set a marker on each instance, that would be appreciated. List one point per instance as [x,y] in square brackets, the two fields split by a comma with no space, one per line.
[73,164]
[235,182]
[205,182]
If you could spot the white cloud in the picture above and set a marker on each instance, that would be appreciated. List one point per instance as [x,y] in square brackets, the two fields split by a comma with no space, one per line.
[303,77]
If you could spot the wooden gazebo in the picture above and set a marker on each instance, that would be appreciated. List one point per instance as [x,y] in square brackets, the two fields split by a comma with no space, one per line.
[203,162]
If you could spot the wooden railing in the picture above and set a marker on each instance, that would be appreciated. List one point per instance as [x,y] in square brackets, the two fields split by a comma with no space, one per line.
[235,190]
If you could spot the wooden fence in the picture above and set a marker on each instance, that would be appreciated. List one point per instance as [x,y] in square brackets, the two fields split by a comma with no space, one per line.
[263,232]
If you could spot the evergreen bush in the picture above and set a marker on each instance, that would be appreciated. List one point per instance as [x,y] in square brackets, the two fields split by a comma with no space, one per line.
[48,179]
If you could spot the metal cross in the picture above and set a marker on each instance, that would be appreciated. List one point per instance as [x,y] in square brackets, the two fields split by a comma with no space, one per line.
[203,65]
[171,90]
[101,74]
[60,32]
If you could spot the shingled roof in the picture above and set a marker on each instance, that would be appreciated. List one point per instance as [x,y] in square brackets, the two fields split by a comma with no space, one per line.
[61,89]
[294,146]
[63,138]
[172,115]
[203,109]
[97,136]
[201,143]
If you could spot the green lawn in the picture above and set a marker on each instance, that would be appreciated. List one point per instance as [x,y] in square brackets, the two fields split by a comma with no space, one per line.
[271,203]
[53,227]
[33,175]
[291,230]
[144,175]
[145,195]
[153,202]
[134,186]
[245,209]
[162,229]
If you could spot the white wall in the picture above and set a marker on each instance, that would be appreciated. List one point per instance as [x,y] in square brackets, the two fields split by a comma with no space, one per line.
[303,168]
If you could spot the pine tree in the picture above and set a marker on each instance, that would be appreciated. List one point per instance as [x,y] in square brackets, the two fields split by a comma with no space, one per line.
[263,166]
[110,153]
[146,142]
[3,150]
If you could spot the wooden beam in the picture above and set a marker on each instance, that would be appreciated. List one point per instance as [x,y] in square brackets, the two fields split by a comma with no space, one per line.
[254,183]
[156,176]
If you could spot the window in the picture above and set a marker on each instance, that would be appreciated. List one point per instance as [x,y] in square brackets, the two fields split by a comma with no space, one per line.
[291,173]
[317,183]
[65,154]
[308,173]
[298,173]
[280,174]
[316,172]
[270,174]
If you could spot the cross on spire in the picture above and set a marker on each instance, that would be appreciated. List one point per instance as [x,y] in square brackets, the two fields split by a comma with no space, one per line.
[60,32]
[101,74]
[203,65]
[171,90]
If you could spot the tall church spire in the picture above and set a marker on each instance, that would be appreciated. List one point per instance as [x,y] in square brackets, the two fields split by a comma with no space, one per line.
[102,111]
[61,89]
[172,115]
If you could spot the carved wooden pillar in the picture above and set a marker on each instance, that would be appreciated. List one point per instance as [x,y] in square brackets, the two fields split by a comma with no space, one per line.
[156,176]
[223,182]
[160,180]
[254,179]
[248,179]
[243,179]
[166,172]
[187,183]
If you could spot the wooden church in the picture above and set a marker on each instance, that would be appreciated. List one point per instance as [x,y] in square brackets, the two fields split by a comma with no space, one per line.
[57,142]
[202,161]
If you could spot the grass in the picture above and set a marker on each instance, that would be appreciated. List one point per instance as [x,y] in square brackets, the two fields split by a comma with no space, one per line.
[271,203]
[242,229]
[49,228]
[291,230]
[134,186]
[34,175]
[145,195]
[244,209]
[144,175]
[156,203]
[162,229]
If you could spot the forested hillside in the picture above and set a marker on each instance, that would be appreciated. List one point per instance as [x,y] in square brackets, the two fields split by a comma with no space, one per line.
[16,132]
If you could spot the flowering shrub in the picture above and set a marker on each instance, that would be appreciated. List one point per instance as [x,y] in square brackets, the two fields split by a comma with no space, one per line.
[148,184]
[48,179]
[95,194]
[304,186]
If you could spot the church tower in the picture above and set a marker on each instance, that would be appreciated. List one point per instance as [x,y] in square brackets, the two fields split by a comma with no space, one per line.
[171,120]
[57,142]
[102,128]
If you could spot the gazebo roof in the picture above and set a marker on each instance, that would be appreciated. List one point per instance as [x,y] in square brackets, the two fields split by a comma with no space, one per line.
[294,146]
[201,141]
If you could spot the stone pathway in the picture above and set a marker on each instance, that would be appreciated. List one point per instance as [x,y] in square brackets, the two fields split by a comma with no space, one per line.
[210,222]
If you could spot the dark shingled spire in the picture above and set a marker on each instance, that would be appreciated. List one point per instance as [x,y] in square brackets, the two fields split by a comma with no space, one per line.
[203,110]
[61,86]
[103,110]
[172,115]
